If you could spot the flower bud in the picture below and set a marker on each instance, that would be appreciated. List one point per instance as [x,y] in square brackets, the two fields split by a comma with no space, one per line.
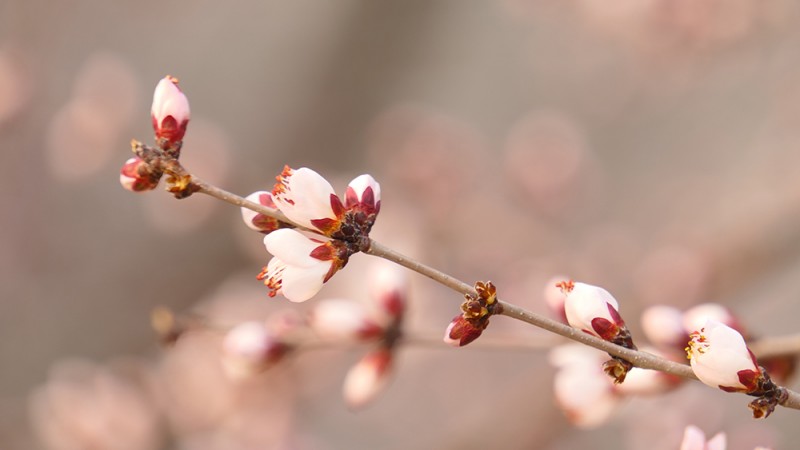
[367,378]
[136,176]
[461,332]
[592,309]
[389,289]
[170,112]
[663,326]
[695,318]
[257,221]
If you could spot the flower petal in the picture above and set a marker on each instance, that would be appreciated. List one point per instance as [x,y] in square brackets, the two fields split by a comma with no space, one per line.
[303,196]
[292,247]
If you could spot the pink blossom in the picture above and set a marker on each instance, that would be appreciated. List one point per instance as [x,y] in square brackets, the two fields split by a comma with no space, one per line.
[582,390]
[301,264]
[250,348]
[720,358]
[695,439]
[695,317]
[663,326]
[343,319]
[389,288]
[170,111]
[367,378]
[363,194]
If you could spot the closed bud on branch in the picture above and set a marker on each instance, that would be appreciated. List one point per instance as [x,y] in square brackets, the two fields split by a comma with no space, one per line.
[137,176]
[170,113]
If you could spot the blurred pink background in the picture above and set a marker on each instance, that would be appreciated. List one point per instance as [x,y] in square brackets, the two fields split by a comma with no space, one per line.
[650,147]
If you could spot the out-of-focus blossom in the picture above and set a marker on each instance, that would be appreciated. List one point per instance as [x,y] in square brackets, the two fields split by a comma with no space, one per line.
[301,264]
[720,358]
[170,112]
[695,318]
[555,297]
[367,378]
[306,198]
[663,326]
[84,405]
[343,319]
[695,439]
[136,176]
[592,309]
[257,221]
[582,391]
[389,289]
[250,348]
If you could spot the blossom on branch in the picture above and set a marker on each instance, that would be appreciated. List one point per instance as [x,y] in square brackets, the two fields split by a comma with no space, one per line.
[170,113]
[301,264]
[137,176]
[306,198]
[720,358]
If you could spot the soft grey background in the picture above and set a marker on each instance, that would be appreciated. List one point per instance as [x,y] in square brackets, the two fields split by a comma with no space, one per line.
[649,147]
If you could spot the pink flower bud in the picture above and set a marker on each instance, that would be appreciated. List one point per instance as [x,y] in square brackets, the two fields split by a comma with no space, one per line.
[582,390]
[461,332]
[592,309]
[389,288]
[343,319]
[695,318]
[695,439]
[170,111]
[367,378]
[257,221]
[136,176]
[363,194]
[720,358]
[250,348]
[663,326]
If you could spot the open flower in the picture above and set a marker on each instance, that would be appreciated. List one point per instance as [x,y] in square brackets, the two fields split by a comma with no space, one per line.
[306,198]
[720,358]
[170,112]
[695,439]
[301,264]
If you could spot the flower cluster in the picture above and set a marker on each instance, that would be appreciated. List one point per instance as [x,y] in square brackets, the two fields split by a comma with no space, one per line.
[253,347]
[334,229]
